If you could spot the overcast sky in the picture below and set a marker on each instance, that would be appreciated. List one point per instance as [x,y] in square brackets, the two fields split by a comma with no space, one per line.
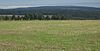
[29,3]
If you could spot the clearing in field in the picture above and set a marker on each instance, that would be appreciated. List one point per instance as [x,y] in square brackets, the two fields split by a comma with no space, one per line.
[71,35]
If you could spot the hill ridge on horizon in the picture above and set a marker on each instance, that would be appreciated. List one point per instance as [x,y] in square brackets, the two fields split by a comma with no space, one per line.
[49,6]
[74,12]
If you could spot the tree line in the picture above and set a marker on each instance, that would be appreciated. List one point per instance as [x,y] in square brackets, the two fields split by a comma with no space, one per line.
[52,14]
[33,17]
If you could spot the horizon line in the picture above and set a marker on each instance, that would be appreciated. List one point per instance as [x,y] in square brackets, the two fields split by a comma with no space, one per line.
[14,7]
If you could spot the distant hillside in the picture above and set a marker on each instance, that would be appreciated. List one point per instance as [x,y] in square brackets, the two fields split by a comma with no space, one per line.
[62,8]
[45,9]
[71,12]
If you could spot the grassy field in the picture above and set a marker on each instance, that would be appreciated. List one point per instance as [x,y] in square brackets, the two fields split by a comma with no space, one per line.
[75,35]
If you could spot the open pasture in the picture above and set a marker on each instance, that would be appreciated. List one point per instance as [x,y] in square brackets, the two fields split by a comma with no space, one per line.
[67,35]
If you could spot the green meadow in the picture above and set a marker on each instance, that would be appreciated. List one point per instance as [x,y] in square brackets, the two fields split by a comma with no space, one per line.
[66,35]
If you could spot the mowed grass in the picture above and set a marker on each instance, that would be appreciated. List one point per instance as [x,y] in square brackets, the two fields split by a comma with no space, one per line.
[69,35]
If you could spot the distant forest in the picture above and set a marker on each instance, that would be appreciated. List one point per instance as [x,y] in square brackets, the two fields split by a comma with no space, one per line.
[52,13]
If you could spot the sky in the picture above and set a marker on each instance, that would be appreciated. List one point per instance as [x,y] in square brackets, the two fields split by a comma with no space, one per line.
[34,3]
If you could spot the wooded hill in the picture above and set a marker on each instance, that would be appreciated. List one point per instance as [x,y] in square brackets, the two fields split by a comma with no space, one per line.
[57,12]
